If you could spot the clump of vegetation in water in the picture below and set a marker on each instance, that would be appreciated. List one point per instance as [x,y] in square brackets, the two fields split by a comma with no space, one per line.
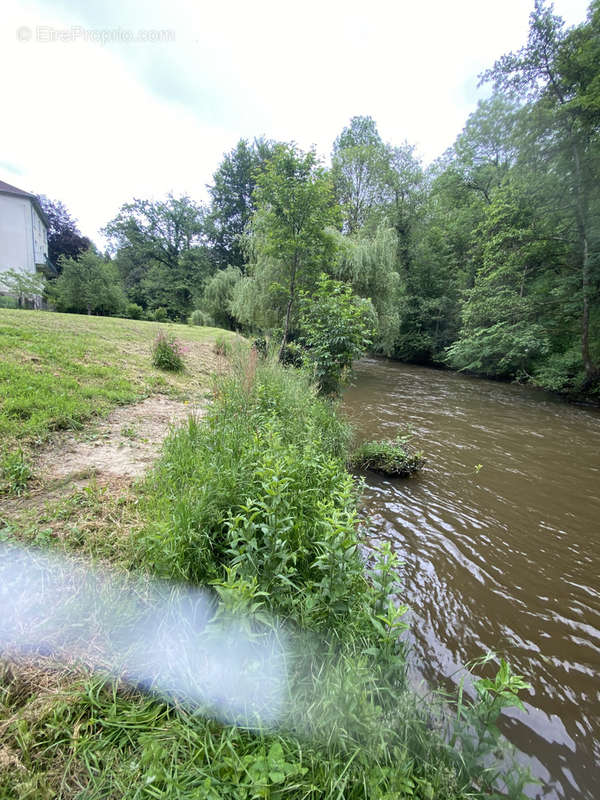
[394,458]
[167,353]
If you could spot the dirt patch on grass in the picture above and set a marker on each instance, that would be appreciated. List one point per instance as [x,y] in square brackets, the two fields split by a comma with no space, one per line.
[125,445]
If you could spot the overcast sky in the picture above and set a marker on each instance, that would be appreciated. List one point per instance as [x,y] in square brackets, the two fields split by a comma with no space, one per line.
[94,124]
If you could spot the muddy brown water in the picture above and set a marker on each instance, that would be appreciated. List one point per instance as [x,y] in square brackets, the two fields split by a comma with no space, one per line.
[504,558]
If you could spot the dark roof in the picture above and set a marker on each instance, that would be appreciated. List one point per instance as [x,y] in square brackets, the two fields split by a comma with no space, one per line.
[6,188]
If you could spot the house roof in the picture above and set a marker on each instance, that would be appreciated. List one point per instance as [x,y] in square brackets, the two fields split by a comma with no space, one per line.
[6,188]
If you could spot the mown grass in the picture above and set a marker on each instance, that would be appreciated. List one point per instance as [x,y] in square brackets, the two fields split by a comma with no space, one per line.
[59,370]
[255,502]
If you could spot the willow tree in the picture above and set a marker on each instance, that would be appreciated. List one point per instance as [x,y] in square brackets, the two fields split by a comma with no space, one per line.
[369,265]
[291,240]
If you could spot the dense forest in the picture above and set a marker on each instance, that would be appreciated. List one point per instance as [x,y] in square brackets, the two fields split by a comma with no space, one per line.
[485,261]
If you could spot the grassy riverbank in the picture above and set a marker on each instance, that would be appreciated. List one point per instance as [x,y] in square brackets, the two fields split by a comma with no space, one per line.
[256,502]
[57,371]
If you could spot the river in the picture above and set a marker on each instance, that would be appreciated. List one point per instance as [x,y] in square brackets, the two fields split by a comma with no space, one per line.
[504,557]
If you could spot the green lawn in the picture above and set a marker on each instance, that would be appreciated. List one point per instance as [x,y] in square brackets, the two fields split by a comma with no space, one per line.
[59,370]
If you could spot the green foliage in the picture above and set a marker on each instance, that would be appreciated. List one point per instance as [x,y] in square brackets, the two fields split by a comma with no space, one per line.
[133,311]
[260,344]
[88,284]
[167,353]
[360,167]
[291,241]
[28,287]
[256,501]
[218,294]
[15,472]
[370,265]
[160,253]
[233,202]
[8,302]
[199,317]
[336,328]
[160,314]
[395,458]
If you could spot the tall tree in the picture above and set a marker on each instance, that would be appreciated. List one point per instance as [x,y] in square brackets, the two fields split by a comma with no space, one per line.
[64,237]
[360,162]
[291,241]
[232,200]
[161,251]
[558,71]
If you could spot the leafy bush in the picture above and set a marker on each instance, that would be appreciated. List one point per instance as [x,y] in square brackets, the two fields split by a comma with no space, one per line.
[134,311]
[88,284]
[167,353]
[199,317]
[15,472]
[393,458]
[160,314]
[337,327]
[260,345]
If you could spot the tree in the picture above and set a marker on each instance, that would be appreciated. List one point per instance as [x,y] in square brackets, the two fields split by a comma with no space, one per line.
[64,237]
[88,284]
[558,71]
[232,198]
[291,241]
[369,265]
[28,287]
[161,252]
[360,168]
[218,295]
[337,327]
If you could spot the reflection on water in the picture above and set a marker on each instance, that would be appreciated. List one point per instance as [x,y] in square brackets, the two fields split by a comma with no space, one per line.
[503,558]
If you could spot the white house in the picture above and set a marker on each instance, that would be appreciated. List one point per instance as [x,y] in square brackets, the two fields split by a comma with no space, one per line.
[23,232]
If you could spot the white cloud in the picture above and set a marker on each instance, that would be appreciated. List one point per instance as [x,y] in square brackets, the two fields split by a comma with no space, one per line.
[95,125]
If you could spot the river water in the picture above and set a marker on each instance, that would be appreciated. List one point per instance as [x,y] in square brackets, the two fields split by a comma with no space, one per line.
[506,557]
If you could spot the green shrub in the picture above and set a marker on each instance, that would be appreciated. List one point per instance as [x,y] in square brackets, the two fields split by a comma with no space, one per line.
[15,472]
[260,345]
[134,311]
[199,317]
[160,314]
[8,302]
[393,458]
[167,353]
[337,327]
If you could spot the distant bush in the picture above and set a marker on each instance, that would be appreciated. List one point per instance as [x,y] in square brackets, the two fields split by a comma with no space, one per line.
[160,314]
[222,346]
[199,317]
[167,353]
[8,302]
[260,345]
[394,458]
[133,311]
